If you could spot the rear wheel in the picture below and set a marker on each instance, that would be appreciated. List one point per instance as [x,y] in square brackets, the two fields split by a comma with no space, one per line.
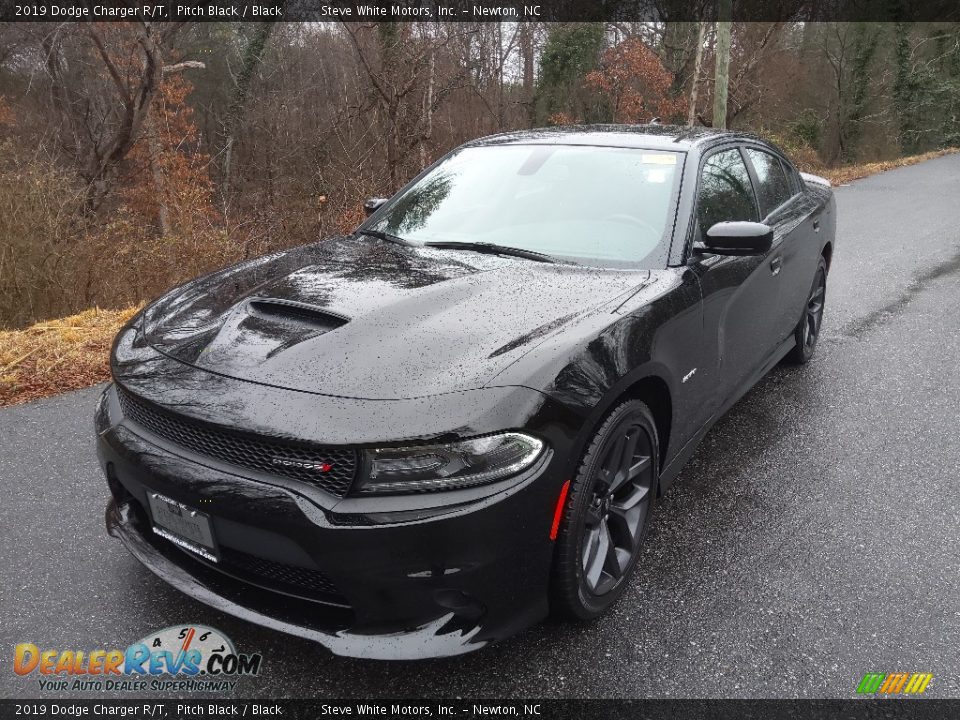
[606,514]
[807,332]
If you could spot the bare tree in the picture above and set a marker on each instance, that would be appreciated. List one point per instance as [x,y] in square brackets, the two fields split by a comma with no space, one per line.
[400,67]
[102,132]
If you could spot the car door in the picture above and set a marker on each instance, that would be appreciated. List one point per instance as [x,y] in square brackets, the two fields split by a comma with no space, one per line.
[785,209]
[740,293]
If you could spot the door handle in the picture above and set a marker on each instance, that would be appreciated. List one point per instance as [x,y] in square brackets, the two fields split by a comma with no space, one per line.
[776,264]
[816,226]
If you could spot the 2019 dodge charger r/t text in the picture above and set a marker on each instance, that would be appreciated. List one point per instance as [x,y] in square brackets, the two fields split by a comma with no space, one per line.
[427,435]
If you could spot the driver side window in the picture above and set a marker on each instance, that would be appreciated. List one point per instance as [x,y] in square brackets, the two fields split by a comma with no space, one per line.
[725,192]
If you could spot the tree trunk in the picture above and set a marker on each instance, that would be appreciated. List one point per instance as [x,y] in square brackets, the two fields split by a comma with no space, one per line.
[674,52]
[697,65]
[722,74]
[529,64]
[901,85]
[428,111]
[159,187]
[252,57]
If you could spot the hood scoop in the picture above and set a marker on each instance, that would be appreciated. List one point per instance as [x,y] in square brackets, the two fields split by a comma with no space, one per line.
[290,311]
[258,330]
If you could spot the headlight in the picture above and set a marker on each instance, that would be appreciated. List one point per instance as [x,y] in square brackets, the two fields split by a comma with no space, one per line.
[446,467]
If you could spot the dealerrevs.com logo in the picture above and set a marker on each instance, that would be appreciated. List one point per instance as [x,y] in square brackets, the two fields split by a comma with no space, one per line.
[180,658]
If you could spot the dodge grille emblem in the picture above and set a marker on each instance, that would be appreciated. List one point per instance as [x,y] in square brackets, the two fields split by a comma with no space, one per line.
[302,464]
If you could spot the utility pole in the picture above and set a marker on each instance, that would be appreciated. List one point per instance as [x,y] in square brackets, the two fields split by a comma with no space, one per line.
[722,70]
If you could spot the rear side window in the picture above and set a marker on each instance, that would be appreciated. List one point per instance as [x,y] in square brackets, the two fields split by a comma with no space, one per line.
[773,188]
[725,191]
[792,177]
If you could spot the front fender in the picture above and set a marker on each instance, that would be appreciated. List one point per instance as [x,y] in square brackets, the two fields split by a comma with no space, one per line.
[594,362]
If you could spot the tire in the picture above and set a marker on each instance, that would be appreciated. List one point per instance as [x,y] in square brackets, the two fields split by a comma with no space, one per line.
[605,500]
[807,331]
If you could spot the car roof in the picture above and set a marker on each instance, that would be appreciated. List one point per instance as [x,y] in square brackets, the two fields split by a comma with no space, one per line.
[646,137]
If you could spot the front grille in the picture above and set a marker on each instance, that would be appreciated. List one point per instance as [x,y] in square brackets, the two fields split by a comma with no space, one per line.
[307,582]
[275,457]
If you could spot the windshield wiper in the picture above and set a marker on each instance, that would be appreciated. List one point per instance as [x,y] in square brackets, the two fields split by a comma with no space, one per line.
[493,249]
[381,235]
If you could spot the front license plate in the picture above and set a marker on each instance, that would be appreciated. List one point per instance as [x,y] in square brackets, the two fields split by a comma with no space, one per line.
[182,525]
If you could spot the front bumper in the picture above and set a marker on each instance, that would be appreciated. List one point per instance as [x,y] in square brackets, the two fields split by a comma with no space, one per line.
[404,584]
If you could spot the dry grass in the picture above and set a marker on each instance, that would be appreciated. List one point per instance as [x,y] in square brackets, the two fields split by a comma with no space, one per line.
[848,173]
[58,355]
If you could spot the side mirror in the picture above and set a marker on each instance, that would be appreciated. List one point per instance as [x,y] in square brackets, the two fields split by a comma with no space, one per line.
[739,238]
[373,204]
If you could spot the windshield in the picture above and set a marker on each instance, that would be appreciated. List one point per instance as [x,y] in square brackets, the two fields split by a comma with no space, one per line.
[593,205]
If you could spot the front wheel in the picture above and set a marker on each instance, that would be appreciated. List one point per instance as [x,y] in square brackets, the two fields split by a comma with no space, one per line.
[606,514]
[807,332]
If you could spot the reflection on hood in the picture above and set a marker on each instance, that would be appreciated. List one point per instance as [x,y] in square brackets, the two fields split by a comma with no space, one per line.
[359,317]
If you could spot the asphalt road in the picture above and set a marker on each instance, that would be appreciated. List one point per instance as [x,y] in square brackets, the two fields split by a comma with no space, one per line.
[814,537]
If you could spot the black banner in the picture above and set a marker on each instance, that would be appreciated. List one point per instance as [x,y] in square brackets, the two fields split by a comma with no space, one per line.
[473,10]
[913,709]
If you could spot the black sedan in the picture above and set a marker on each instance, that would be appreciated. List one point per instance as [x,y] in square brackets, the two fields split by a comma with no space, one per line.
[427,435]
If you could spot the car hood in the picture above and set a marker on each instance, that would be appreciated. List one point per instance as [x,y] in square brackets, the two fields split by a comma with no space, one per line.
[366,318]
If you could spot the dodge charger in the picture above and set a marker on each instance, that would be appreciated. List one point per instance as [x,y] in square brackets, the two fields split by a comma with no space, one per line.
[429,434]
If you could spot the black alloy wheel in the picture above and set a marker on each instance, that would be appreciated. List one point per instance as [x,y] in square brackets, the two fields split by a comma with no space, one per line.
[808,329]
[607,514]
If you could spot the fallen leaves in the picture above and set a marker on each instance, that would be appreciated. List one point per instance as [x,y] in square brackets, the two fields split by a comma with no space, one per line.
[848,173]
[54,356]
